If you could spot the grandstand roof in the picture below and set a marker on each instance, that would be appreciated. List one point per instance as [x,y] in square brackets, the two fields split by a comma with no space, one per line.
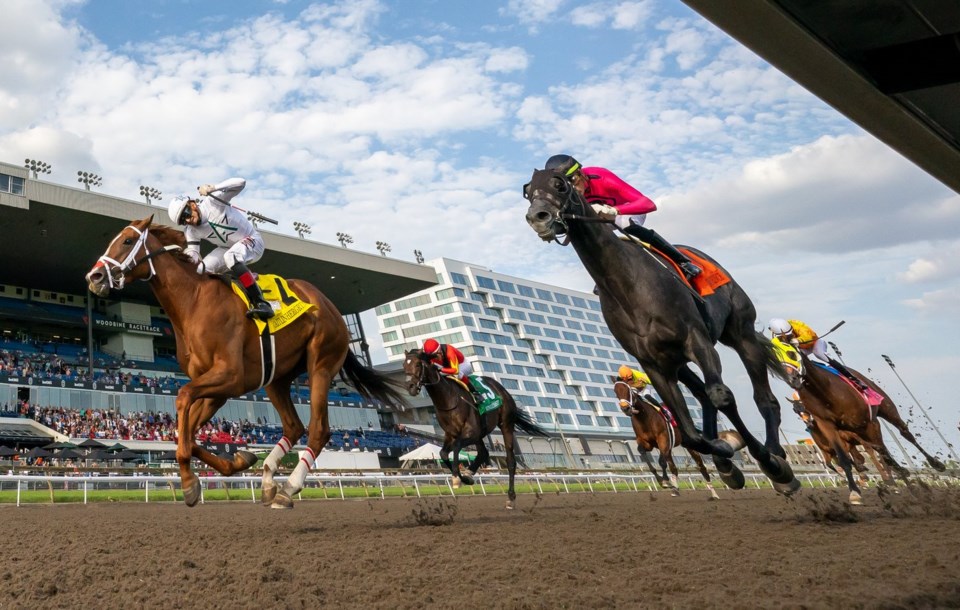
[53,234]
[891,66]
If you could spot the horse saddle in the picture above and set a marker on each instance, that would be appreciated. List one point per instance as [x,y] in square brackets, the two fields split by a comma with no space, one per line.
[869,396]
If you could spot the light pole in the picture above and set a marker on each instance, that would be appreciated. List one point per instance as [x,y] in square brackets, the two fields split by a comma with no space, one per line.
[149,193]
[922,410]
[37,167]
[418,255]
[383,247]
[344,239]
[301,228]
[88,178]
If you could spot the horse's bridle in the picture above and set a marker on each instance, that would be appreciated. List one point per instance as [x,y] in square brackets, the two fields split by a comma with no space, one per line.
[563,201]
[634,397]
[422,381]
[117,271]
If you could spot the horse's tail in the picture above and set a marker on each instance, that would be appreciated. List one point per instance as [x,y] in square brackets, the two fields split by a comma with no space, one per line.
[522,420]
[371,384]
[771,358]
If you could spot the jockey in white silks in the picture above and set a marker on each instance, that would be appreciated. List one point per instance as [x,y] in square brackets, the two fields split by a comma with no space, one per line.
[210,217]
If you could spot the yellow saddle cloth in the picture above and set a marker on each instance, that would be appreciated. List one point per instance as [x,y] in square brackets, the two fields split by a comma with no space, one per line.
[286,304]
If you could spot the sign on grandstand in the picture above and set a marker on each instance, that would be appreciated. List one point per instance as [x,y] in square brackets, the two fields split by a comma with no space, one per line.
[129,327]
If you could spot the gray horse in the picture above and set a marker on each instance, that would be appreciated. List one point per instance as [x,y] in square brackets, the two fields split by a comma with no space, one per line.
[658,319]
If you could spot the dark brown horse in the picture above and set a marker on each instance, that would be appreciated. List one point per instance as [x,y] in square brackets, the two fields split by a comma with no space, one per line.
[658,319]
[653,432]
[220,350]
[461,423]
[838,407]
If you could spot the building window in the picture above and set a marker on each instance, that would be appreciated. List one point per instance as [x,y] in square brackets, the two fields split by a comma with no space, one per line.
[564,418]
[535,317]
[526,291]
[459,278]
[423,299]
[11,184]
[553,333]
[491,367]
[510,384]
[560,311]
[488,324]
[485,282]
[389,336]
[446,293]
[396,320]
[383,309]
[549,345]
[584,420]
[501,299]
[546,295]
[516,314]
[520,356]
[422,329]
[581,303]
[553,388]
[506,287]
[521,303]
[544,418]
[561,298]
[531,386]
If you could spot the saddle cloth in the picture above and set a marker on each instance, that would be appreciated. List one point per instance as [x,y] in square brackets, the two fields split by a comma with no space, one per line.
[285,302]
[489,401]
[871,396]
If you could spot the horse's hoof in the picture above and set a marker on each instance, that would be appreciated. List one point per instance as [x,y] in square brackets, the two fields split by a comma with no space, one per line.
[466,478]
[778,470]
[455,482]
[936,464]
[243,460]
[282,500]
[786,489]
[731,476]
[713,496]
[511,504]
[191,492]
[268,493]
[732,438]
[674,493]
[721,449]
[855,499]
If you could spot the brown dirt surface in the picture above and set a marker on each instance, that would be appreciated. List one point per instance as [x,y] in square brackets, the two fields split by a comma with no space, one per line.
[752,549]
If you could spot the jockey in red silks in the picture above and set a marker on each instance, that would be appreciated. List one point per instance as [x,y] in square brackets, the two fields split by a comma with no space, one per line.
[449,360]
[614,199]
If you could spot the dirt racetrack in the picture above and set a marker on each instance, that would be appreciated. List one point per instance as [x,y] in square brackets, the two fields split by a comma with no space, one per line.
[620,550]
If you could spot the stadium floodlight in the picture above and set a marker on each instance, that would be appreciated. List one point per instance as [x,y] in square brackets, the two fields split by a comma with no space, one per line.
[419,256]
[301,228]
[89,178]
[150,193]
[37,167]
[344,239]
[383,247]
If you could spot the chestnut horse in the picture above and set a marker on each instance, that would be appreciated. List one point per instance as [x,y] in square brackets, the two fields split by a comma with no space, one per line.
[662,323]
[220,350]
[838,407]
[462,425]
[653,431]
[850,444]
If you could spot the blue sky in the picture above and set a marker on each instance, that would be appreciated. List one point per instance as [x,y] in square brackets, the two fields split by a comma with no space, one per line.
[417,123]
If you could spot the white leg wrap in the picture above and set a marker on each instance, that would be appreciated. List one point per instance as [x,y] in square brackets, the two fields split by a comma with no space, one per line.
[272,463]
[299,475]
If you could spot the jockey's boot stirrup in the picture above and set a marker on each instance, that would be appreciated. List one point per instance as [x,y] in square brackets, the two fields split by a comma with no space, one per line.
[259,308]
[690,270]
[659,243]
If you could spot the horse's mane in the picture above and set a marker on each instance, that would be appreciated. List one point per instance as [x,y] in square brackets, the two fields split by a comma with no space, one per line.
[168,235]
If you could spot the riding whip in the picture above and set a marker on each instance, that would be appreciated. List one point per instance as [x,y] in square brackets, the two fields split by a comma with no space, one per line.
[256,215]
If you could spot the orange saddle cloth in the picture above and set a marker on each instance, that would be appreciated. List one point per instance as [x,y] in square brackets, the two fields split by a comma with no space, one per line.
[711,277]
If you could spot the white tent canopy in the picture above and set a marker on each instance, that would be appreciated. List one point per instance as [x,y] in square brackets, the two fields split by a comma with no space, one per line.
[429,451]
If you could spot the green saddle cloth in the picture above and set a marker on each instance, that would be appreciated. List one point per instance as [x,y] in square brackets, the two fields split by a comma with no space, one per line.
[487,400]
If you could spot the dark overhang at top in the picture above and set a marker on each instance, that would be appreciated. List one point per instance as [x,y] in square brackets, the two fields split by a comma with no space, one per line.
[52,235]
[891,66]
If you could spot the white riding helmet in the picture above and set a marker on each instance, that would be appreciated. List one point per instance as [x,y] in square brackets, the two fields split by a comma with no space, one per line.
[177,205]
[779,326]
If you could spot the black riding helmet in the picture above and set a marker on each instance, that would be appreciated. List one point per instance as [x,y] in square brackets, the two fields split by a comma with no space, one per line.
[563,163]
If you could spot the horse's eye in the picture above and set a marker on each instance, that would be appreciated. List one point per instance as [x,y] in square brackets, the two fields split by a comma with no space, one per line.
[128,241]
[560,185]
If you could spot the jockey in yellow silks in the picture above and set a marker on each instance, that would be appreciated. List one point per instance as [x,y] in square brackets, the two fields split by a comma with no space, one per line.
[801,336]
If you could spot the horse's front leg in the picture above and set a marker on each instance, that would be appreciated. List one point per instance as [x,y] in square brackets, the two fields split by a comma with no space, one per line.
[200,414]
[482,456]
[450,456]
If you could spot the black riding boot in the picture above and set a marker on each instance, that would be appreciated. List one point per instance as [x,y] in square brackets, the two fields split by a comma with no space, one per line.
[654,239]
[259,307]
[846,373]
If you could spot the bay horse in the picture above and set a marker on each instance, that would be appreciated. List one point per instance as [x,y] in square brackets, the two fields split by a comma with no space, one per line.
[219,349]
[653,432]
[662,323]
[849,442]
[838,407]
[461,423]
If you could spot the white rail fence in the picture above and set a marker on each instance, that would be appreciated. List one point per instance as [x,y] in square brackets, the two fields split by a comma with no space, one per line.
[160,487]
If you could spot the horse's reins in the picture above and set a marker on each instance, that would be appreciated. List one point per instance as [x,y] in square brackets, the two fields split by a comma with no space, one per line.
[422,382]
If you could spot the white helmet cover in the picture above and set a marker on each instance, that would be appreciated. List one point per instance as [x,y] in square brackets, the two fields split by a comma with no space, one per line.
[779,326]
[177,205]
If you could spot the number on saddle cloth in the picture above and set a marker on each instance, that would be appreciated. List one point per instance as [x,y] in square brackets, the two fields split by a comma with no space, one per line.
[487,400]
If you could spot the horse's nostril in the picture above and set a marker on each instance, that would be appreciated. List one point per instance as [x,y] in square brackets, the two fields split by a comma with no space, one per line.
[542,216]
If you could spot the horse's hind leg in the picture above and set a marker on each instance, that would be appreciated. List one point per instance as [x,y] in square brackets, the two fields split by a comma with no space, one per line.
[704,473]
[674,474]
[889,413]
[754,357]
[279,394]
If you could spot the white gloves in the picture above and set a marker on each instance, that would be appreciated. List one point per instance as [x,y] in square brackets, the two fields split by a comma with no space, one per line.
[605,211]
[206,189]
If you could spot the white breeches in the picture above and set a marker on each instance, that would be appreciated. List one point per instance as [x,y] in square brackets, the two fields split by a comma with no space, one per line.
[819,351]
[623,221]
[246,251]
